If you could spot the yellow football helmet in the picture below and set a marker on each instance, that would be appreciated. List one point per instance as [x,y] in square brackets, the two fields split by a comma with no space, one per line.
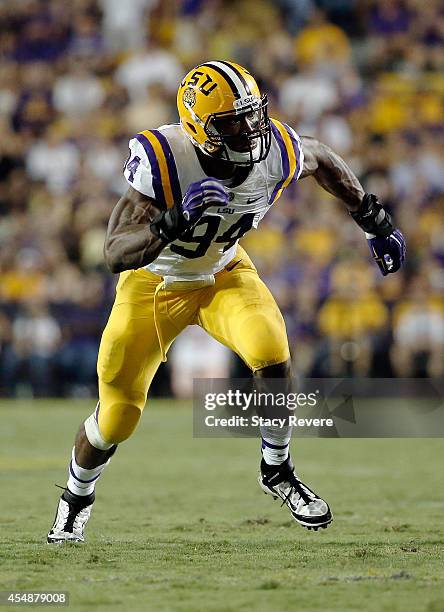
[224,114]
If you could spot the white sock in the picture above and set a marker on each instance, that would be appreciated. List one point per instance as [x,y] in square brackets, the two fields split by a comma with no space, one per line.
[275,444]
[82,481]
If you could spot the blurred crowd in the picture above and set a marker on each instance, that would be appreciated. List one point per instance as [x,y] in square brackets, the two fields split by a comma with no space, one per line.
[78,78]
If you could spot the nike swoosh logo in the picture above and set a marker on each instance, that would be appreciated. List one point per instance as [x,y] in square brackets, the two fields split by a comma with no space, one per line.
[251,200]
[233,265]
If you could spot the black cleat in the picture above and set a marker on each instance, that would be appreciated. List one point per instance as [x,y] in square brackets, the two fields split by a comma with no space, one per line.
[306,507]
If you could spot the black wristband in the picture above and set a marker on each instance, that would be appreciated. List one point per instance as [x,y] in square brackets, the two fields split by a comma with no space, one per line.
[372,218]
[169,224]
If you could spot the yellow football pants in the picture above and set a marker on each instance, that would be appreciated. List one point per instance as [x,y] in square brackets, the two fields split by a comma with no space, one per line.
[238,310]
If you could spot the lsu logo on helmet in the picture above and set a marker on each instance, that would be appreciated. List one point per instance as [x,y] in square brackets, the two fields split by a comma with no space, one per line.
[189,97]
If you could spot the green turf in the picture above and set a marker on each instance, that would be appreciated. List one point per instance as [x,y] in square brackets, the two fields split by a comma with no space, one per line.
[180,523]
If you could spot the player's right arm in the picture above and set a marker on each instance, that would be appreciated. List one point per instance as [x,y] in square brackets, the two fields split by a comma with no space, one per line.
[138,229]
[130,242]
[152,214]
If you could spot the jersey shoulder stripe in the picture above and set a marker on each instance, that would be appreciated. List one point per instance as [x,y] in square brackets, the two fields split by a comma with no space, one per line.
[166,185]
[171,164]
[290,157]
[145,141]
[297,146]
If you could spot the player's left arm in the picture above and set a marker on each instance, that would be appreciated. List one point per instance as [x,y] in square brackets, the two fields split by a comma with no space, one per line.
[386,243]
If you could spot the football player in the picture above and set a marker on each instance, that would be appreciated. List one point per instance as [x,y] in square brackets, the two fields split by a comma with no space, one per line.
[195,188]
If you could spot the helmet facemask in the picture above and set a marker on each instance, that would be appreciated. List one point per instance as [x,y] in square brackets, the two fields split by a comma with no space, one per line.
[241,136]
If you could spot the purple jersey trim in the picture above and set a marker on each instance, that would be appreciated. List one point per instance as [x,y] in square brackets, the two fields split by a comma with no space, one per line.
[155,170]
[171,164]
[297,150]
[285,162]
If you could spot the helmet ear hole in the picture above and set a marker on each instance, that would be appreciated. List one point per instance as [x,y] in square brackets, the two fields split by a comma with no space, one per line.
[192,128]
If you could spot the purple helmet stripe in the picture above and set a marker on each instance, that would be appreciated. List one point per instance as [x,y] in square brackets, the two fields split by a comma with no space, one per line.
[223,72]
[239,75]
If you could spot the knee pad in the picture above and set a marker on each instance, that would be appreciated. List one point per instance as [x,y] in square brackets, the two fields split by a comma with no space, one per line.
[118,421]
[264,340]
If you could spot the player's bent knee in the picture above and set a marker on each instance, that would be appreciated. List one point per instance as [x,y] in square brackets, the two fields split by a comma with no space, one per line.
[266,341]
[118,421]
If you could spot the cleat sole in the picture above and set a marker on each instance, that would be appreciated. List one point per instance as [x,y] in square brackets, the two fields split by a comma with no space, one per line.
[62,542]
[316,527]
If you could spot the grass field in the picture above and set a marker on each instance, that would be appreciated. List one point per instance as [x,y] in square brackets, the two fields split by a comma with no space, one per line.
[180,523]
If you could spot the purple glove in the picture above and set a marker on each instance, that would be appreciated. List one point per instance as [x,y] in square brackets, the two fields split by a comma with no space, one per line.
[183,216]
[200,196]
[389,252]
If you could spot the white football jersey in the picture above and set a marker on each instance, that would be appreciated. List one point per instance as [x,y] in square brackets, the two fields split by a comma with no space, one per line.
[162,164]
